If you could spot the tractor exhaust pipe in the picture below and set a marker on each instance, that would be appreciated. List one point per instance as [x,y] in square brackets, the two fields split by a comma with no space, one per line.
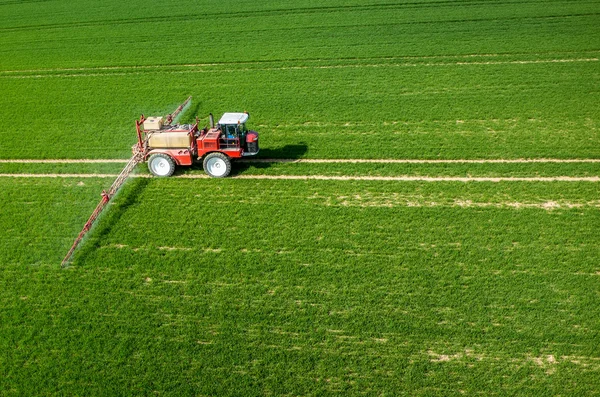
[212,120]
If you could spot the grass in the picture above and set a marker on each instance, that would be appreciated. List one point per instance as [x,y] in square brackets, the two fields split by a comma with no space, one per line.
[485,111]
[331,298]
[63,168]
[291,287]
[111,32]
[418,80]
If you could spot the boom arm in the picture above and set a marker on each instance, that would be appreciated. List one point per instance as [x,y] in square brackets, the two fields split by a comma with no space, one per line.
[106,196]
[170,117]
[139,154]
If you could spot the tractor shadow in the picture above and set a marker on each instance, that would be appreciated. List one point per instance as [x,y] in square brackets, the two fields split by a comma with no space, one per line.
[128,196]
[287,152]
[293,152]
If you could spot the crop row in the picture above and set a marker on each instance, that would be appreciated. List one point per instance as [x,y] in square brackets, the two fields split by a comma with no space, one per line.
[236,286]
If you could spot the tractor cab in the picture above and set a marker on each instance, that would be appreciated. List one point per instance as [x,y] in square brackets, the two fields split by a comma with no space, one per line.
[233,130]
[234,134]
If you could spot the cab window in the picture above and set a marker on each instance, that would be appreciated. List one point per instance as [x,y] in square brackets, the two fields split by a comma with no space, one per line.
[230,131]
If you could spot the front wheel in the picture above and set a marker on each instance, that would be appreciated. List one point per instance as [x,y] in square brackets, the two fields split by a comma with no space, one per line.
[161,165]
[217,165]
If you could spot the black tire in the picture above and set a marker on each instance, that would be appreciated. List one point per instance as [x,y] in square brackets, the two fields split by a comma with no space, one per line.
[217,165]
[161,165]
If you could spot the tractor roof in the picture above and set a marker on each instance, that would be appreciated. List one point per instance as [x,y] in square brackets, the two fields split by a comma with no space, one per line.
[233,118]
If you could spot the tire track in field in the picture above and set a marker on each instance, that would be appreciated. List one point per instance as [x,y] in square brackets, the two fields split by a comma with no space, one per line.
[321,161]
[312,60]
[20,2]
[183,18]
[422,161]
[109,71]
[404,178]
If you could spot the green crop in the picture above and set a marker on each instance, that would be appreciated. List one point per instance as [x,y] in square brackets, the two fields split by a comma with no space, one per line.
[63,168]
[422,80]
[488,111]
[302,287]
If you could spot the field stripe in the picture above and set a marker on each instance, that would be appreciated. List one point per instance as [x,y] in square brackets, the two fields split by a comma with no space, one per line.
[321,161]
[232,64]
[422,161]
[190,18]
[302,67]
[404,178]
[67,176]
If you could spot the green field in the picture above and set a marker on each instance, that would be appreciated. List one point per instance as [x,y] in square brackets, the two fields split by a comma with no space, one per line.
[249,287]
[451,79]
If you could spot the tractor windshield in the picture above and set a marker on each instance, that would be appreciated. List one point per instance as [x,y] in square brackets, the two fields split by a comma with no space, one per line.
[233,131]
[230,131]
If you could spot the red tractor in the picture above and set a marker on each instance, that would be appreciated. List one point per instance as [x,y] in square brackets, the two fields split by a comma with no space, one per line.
[166,146]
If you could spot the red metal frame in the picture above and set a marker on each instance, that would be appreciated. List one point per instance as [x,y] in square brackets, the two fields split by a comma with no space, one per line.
[201,143]
[139,123]
[210,141]
[180,156]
